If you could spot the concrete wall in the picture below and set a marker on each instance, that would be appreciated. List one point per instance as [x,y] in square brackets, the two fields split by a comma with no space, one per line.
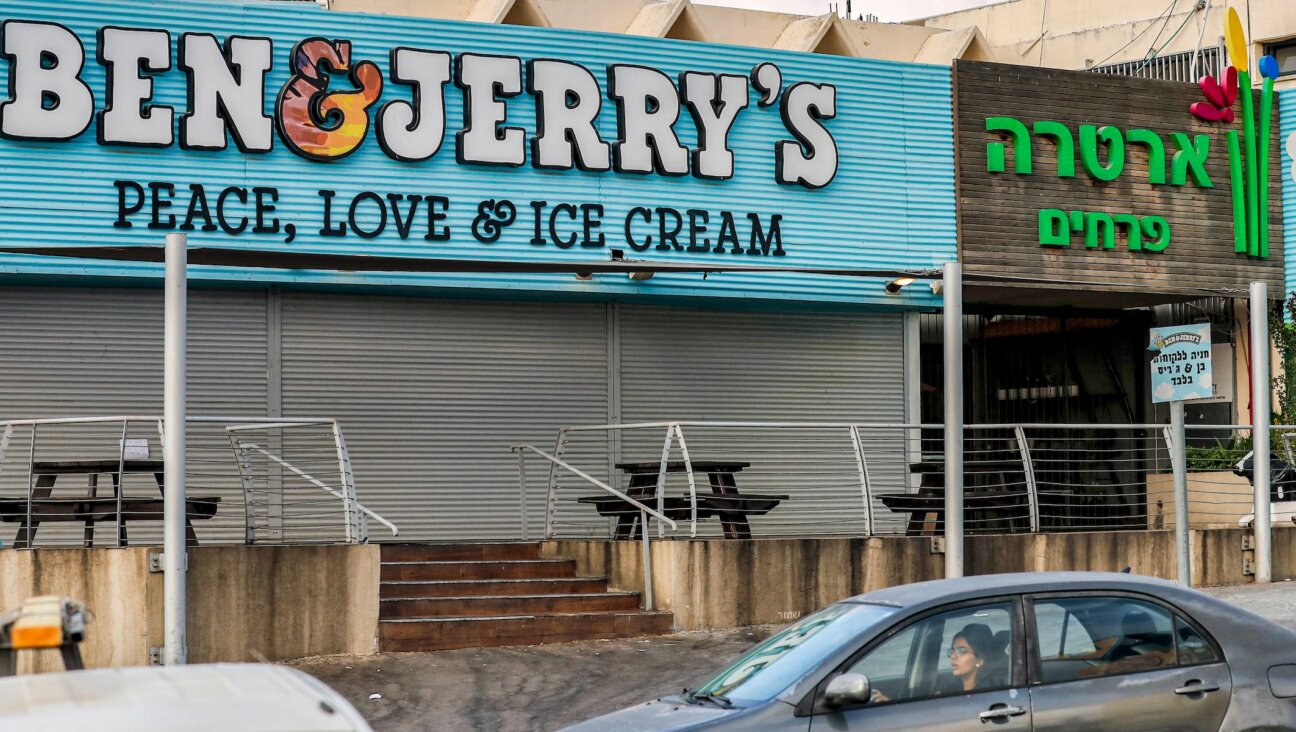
[725,583]
[114,583]
[244,603]
[274,603]
[280,602]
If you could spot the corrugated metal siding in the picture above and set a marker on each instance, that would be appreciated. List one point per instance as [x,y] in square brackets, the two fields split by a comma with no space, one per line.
[431,393]
[708,366]
[890,206]
[75,352]
[1287,127]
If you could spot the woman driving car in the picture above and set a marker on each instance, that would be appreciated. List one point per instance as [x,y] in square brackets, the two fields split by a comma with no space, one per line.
[975,657]
[969,653]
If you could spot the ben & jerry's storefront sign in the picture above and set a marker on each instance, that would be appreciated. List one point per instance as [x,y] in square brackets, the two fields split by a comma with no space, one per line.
[329,106]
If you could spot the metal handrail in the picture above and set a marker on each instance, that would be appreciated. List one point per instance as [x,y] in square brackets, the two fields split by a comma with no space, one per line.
[644,511]
[356,526]
[595,481]
[325,487]
[907,425]
[1039,464]
[675,433]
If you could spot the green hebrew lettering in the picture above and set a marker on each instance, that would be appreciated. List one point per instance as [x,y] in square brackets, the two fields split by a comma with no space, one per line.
[1053,228]
[1155,150]
[1059,133]
[1099,224]
[1077,220]
[1132,230]
[1020,141]
[1090,137]
[1158,230]
[1190,158]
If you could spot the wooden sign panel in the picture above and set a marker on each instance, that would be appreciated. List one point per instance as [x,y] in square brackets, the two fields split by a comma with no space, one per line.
[1078,186]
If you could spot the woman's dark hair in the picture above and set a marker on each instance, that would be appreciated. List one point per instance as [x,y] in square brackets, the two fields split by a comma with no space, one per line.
[979,637]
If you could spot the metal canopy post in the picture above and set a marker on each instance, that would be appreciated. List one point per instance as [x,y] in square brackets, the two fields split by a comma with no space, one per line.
[952,287]
[1260,406]
[1179,466]
[175,560]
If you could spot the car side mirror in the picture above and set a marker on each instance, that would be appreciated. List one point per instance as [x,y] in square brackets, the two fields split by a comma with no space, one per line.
[848,690]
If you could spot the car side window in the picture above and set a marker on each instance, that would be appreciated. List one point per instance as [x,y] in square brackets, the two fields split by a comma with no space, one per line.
[1088,637]
[1060,634]
[948,653]
[1193,647]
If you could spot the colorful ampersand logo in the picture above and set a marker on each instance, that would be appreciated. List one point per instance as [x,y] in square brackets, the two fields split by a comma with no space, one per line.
[317,123]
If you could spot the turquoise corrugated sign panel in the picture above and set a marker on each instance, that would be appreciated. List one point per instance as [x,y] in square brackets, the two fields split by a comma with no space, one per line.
[890,206]
[1287,127]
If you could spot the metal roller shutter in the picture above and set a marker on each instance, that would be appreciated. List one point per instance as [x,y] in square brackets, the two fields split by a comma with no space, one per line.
[76,352]
[430,393]
[760,366]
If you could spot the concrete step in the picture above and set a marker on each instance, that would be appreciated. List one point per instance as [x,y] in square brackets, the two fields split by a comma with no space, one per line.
[479,606]
[435,634]
[479,569]
[492,587]
[459,552]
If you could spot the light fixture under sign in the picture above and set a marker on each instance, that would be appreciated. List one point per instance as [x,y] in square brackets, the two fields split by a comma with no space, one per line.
[893,287]
[584,276]
[640,276]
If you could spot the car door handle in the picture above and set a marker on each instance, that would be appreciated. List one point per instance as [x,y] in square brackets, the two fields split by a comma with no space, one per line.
[1196,687]
[1000,711]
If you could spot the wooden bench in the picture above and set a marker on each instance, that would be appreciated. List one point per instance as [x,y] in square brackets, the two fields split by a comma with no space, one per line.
[989,509]
[724,501]
[91,508]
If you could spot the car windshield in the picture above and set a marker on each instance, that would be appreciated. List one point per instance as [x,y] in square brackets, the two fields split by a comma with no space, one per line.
[769,668]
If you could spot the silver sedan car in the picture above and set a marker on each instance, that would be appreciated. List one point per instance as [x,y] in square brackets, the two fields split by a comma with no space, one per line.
[1050,651]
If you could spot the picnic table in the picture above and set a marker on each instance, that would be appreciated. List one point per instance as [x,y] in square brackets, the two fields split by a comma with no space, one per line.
[91,507]
[724,501]
[996,507]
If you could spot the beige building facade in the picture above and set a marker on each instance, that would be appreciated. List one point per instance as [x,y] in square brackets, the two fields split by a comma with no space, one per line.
[1097,33]
[1075,34]
[685,20]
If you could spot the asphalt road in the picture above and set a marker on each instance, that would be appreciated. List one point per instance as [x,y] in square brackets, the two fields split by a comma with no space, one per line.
[1276,602]
[524,688]
[536,688]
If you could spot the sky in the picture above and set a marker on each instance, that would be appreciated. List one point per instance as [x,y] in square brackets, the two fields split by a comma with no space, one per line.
[886,10]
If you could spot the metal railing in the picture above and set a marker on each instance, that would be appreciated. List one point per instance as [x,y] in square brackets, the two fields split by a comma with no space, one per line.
[645,512]
[355,514]
[873,479]
[1188,66]
[249,480]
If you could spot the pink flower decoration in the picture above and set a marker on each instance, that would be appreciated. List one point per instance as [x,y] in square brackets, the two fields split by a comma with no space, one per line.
[1220,98]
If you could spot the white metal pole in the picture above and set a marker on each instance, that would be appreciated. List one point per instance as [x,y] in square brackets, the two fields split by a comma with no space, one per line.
[952,288]
[1179,464]
[647,561]
[1260,406]
[173,453]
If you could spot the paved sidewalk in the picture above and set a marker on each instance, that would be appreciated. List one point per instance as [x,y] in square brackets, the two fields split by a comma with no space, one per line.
[538,688]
